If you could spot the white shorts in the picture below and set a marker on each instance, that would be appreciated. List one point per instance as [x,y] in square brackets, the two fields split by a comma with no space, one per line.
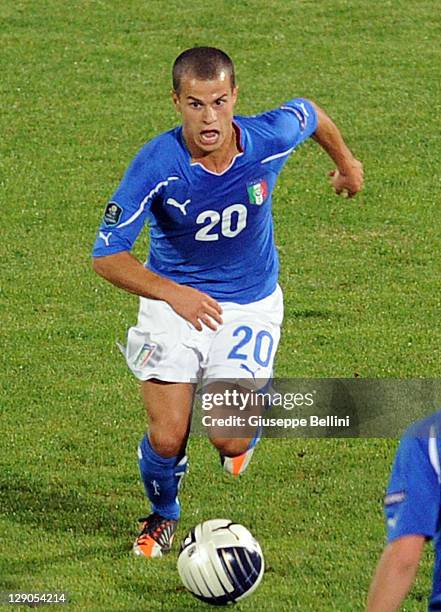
[165,346]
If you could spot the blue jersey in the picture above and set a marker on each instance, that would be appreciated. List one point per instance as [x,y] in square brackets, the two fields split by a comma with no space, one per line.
[413,499]
[210,231]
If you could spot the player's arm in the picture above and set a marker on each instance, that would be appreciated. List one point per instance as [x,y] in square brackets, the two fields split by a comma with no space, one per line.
[125,271]
[348,177]
[395,573]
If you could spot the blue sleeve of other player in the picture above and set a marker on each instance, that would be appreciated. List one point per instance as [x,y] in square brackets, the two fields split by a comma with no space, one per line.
[412,502]
[127,211]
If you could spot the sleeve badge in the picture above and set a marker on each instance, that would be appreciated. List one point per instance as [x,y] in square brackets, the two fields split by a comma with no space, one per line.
[112,214]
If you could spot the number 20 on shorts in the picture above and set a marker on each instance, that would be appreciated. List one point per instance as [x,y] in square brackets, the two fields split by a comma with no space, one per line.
[261,345]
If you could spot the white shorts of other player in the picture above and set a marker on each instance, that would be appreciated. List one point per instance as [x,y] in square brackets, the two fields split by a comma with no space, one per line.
[165,346]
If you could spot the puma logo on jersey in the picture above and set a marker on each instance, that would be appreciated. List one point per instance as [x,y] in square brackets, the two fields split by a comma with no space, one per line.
[105,237]
[176,204]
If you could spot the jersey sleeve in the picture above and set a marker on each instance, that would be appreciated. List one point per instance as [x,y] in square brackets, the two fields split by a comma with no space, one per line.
[412,502]
[127,211]
[299,119]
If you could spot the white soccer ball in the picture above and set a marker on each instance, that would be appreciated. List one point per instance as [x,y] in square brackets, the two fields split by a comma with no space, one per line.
[220,562]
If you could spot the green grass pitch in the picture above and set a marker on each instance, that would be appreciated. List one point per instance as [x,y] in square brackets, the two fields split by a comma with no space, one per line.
[83,85]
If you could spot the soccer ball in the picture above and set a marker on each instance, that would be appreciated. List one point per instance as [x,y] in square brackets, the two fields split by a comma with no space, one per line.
[220,562]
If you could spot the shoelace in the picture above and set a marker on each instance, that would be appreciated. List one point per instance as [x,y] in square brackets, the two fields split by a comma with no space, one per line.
[154,524]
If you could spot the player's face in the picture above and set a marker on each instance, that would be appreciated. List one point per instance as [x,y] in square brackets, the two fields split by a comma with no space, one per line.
[207,109]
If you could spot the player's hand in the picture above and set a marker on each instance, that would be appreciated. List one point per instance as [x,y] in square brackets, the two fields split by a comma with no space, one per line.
[348,180]
[196,307]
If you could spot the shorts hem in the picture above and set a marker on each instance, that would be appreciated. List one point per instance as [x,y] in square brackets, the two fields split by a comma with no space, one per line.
[167,376]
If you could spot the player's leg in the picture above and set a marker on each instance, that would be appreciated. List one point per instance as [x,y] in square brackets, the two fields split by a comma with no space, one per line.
[239,432]
[243,351]
[162,461]
[159,355]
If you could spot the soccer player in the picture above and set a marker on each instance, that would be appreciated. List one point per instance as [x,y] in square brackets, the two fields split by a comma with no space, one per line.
[210,305]
[413,514]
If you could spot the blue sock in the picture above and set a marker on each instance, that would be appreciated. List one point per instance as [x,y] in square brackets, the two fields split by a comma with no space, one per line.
[162,477]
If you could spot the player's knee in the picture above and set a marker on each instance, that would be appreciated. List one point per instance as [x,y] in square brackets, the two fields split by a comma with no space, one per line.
[166,445]
[231,447]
